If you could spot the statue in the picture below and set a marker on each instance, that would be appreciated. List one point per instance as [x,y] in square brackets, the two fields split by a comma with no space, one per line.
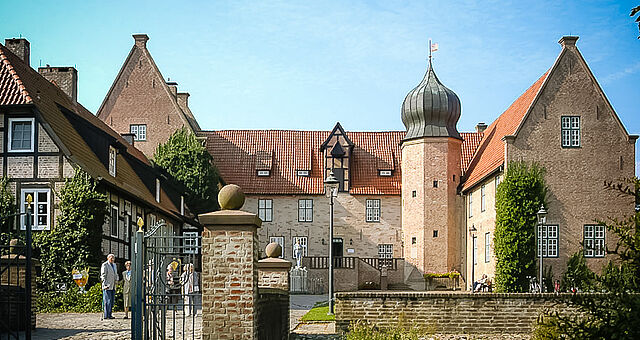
[297,253]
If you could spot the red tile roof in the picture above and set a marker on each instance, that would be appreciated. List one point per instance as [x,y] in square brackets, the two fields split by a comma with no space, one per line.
[12,91]
[238,154]
[490,153]
[470,143]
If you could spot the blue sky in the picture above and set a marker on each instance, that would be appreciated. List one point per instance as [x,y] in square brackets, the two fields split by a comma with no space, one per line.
[307,64]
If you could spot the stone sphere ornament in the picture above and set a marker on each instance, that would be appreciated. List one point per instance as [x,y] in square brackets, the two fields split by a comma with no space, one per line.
[231,197]
[273,249]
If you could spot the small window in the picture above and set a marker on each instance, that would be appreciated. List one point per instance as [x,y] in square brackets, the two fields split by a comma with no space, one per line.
[279,240]
[435,183]
[384,173]
[113,156]
[483,200]
[21,134]
[487,247]
[414,240]
[594,241]
[305,210]
[157,190]
[498,180]
[470,200]
[114,221]
[302,240]
[570,131]
[435,233]
[385,251]
[549,236]
[191,242]
[139,131]
[265,210]
[39,208]
[303,173]
[264,173]
[414,193]
[373,211]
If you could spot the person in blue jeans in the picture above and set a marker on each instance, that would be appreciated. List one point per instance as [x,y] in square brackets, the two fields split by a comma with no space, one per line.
[109,277]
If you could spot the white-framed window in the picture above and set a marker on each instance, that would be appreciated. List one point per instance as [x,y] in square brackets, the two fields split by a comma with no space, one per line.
[139,131]
[594,241]
[483,198]
[548,240]
[305,210]
[279,240]
[570,131]
[303,240]
[158,190]
[191,242]
[265,210]
[113,155]
[41,216]
[21,134]
[487,247]
[114,221]
[373,210]
[385,251]
[470,200]
[498,180]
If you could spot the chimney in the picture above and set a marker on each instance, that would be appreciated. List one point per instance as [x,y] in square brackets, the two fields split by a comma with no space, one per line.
[141,40]
[19,47]
[183,100]
[129,137]
[481,127]
[66,78]
[568,40]
[173,87]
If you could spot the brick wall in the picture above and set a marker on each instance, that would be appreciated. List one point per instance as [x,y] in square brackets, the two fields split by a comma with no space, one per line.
[449,313]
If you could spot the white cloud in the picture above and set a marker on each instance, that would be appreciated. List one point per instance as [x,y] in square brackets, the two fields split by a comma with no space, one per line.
[621,74]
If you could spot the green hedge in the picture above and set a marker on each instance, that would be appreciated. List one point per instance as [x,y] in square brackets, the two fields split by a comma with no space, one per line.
[451,275]
[72,301]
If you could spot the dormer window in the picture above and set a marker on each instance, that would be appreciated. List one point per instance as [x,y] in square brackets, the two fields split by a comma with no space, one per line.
[112,161]
[303,173]
[384,173]
[21,134]
[264,173]
[157,190]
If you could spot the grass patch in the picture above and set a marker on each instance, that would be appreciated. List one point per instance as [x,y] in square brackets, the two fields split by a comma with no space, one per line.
[319,313]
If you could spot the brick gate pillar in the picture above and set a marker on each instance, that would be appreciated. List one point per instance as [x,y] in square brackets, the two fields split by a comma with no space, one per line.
[229,269]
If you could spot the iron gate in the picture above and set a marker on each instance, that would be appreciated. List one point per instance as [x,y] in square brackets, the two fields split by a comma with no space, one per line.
[167,290]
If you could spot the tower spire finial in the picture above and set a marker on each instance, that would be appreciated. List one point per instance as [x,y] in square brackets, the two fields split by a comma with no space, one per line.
[429,51]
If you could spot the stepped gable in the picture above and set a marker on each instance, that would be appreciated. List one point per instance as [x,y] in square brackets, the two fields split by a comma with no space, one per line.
[57,111]
[490,153]
[237,154]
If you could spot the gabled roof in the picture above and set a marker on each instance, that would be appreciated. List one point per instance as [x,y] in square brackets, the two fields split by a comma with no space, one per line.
[337,130]
[137,51]
[490,153]
[470,143]
[236,153]
[60,118]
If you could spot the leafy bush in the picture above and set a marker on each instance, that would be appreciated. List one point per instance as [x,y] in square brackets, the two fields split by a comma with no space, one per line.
[75,241]
[7,207]
[578,275]
[451,275]
[72,301]
[188,161]
[361,330]
[518,200]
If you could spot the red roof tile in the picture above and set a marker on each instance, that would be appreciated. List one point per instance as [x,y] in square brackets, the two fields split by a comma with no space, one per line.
[470,143]
[490,153]
[12,92]
[238,154]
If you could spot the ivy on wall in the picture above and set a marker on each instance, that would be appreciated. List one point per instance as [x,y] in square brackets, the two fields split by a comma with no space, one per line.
[518,200]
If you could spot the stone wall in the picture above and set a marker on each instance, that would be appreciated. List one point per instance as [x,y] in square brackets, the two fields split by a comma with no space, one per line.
[449,313]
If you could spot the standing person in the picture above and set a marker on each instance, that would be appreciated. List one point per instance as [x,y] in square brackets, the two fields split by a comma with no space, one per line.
[190,287]
[108,276]
[126,288]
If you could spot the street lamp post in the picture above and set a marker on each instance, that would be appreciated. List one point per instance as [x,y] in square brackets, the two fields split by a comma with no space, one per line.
[331,186]
[542,219]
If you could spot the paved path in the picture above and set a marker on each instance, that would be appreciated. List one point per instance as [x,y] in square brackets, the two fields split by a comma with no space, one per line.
[299,305]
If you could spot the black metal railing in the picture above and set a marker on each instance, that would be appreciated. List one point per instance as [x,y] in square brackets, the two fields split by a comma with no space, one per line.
[13,292]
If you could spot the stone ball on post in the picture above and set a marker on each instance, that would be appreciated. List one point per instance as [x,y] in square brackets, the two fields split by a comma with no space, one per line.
[231,197]
[273,249]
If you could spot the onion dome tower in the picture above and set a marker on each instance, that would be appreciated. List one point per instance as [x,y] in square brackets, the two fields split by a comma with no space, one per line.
[431,151]
[431,109]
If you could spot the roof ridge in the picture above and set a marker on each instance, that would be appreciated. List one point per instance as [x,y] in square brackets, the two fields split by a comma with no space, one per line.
[292,130]
[14,75]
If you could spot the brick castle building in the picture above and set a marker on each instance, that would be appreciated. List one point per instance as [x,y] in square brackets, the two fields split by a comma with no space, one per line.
[426,194]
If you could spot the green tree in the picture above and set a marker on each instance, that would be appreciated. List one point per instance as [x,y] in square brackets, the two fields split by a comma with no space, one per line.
[518,200]
[75,240]
[8,207]
[578,275]
[189,162]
